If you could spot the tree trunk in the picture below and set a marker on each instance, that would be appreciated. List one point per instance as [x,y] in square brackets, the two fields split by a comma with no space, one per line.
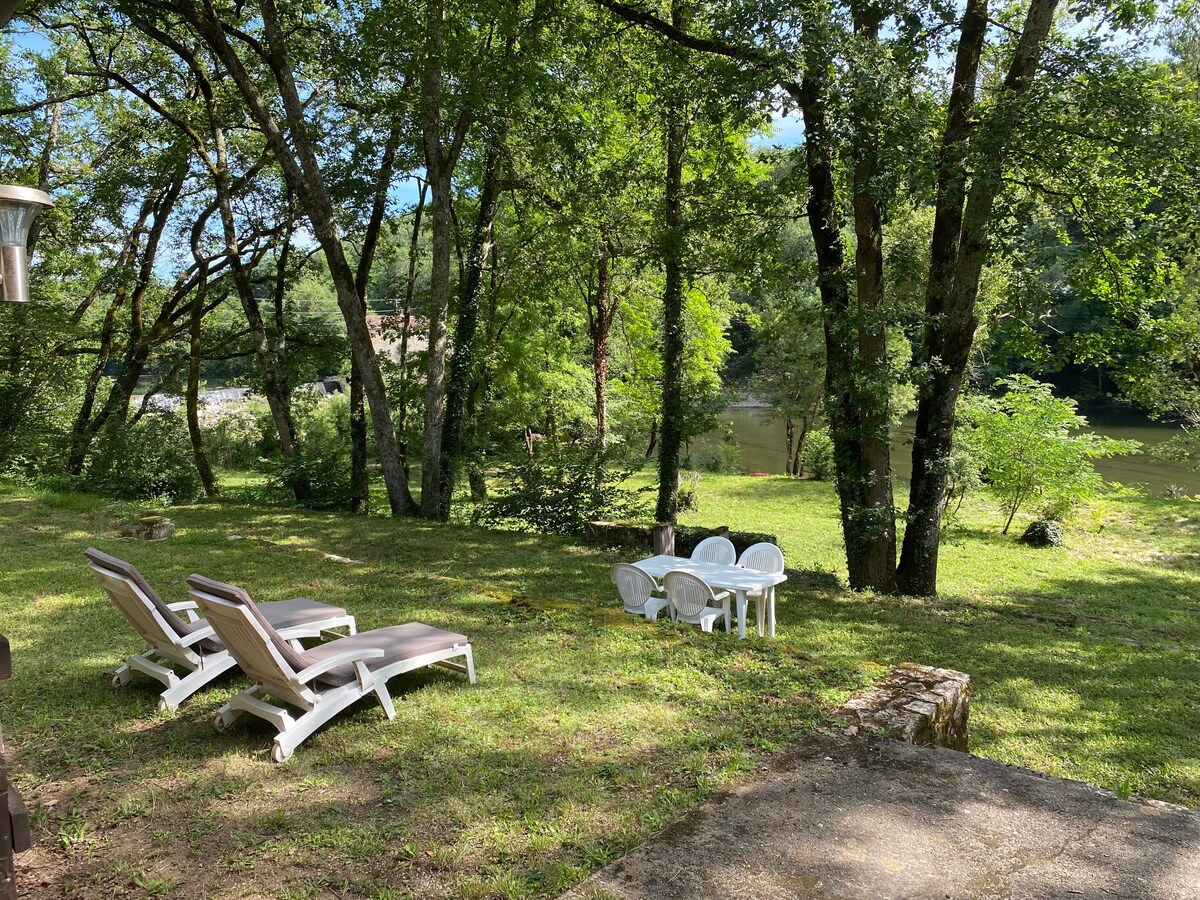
[203,467]
[960,237]
[671,439]
[602,310]
[855,355]
[137,350]
[277,390]
[462,363]
[360,481]
[871,387]
[305,178]
[439,167]
[414,249]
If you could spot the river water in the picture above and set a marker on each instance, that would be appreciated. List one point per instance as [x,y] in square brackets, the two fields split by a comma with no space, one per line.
[760,437]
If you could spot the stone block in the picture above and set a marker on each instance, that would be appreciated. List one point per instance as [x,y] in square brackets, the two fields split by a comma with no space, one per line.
[915,704]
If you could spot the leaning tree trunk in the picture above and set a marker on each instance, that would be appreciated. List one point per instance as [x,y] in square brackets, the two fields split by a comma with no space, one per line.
[360,482]
[960,239]
[137,350]
[303,173]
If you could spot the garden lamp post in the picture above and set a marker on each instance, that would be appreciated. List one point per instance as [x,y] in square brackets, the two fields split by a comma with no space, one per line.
[19,207]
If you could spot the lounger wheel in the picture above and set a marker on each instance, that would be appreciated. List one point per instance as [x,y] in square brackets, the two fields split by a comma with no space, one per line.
[223,722]
[279,753]
[164,705]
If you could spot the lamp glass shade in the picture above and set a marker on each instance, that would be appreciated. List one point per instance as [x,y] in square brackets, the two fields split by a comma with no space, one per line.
[19,206]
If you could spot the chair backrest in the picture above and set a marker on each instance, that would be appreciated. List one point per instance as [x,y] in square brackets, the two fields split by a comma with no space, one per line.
[634,586]
[141,606]
[715,550]
[688,594]
[764,557]
[263,655]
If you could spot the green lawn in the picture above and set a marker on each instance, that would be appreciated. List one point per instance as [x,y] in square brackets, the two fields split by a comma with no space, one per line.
[588,728]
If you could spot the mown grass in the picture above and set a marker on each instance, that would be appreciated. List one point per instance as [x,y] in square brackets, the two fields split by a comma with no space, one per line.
[1085,660]
[588,729]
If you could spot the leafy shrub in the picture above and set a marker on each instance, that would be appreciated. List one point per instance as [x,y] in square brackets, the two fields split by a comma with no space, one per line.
[688,498]
[688,536]
[818,460]
[240,435]
[34,429]
[151,460]
[323,465]
[560,492]
[1029,445]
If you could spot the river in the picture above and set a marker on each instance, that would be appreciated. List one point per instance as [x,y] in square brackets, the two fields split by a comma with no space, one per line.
[761,439]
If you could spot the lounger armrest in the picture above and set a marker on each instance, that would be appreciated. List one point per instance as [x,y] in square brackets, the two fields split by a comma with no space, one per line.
[187,606]
[198,635]
[340,659]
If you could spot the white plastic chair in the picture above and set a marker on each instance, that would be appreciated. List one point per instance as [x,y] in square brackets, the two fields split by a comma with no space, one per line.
[695,602]
[636,589]
[764,557]
[715,550]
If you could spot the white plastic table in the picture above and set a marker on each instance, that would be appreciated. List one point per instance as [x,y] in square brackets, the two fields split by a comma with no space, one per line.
[724,578]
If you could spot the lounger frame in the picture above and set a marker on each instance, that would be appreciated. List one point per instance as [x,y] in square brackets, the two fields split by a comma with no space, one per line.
[254,650]
[168,649]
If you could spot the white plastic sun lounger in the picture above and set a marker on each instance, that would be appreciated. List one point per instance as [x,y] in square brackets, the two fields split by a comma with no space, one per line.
[322,681]
[191,643]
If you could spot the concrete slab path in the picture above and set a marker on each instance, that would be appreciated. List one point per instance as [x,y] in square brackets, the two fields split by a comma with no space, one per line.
[852,818]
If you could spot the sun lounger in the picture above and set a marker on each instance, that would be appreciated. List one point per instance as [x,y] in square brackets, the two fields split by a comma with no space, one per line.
[190,643]
[324,680]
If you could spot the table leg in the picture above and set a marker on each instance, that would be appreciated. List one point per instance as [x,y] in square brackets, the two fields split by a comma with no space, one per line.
[760,609]
[771,612]
[741,609]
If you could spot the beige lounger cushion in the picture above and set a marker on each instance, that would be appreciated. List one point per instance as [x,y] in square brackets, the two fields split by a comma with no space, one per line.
[293,609]
[398,642]
[182,628]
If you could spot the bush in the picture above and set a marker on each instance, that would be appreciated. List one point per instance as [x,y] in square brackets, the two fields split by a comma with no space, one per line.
[1030,445]
[817,459]
[241,435]
[323,437]
[688,498]
[151,460]
[560,492]
[688,536]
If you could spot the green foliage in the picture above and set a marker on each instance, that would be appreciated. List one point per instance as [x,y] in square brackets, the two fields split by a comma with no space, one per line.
[688,536]
[1028,445]
[241,435]
[149,460]
[323,428]
[817,460]
[560,492]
